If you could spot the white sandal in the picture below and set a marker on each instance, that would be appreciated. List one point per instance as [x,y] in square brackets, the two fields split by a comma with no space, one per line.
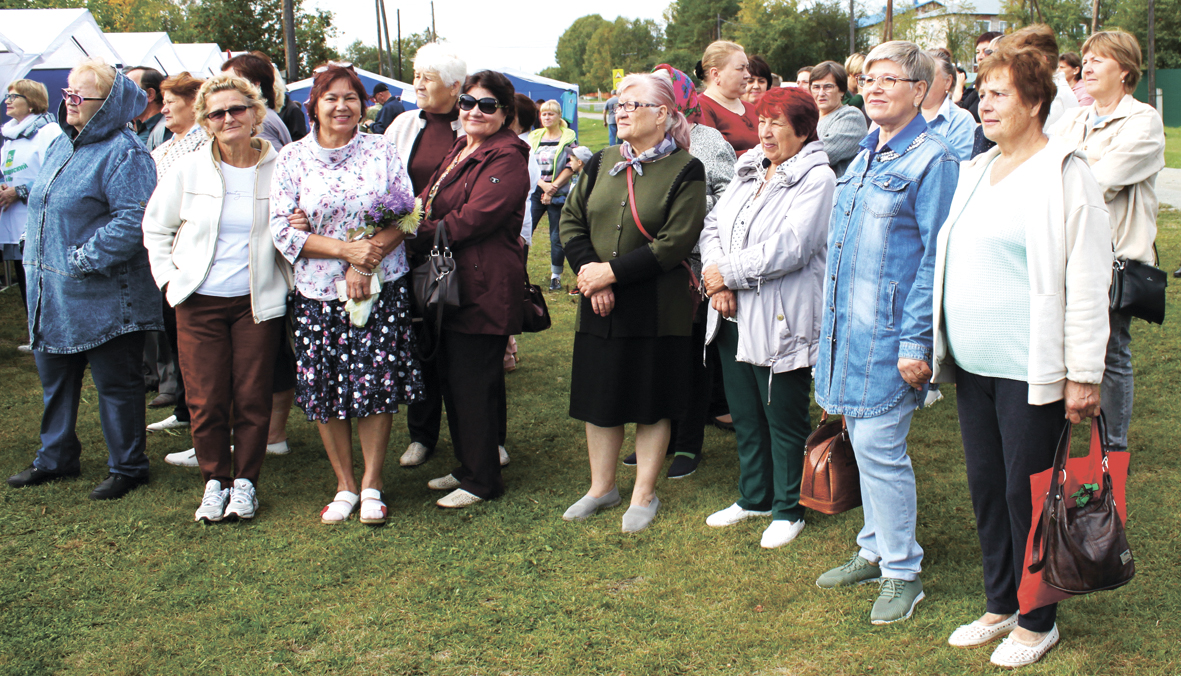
[977,633]
[340,509]
[373,510]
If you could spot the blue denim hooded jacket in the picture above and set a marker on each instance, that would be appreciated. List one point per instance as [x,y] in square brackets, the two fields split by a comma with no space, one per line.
[88,275]
[886,215]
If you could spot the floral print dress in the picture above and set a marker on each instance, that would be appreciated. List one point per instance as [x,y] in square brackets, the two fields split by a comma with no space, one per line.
[344,371]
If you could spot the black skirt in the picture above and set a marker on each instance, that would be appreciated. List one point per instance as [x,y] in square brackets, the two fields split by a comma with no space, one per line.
[615,381]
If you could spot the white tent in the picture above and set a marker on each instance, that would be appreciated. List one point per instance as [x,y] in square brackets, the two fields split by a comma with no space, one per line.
[153,50]
[201,59]
[49,39]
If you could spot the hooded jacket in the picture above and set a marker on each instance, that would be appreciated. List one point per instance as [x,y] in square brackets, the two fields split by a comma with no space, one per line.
[87,268]
[777,272]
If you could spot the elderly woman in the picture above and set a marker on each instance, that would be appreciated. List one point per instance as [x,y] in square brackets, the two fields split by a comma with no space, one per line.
[27,136]
[91,296]
[876,336]
[478,196]
[1124,142]
[1026,248]
[841,126]
[550,146]
[763,250]
[229,287]
[633,335]
[326,181]
[260,72]
[723,68]
[954,124]
[1070,69]
[423,138]
[759,82]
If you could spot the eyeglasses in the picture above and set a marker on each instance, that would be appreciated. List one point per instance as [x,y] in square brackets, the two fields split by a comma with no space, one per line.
[232,111]
[631,106]
[77,99]
[885,81]
[488,105]
[12,96]
[826,88]
[333,64]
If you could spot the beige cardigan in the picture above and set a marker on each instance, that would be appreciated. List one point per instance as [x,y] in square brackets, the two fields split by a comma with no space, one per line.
[1125,152]
[1069,273]
[182,221]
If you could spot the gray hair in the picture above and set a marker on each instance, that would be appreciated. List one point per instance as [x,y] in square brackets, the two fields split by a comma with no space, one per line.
[435,58]
[914,62]
[942,62]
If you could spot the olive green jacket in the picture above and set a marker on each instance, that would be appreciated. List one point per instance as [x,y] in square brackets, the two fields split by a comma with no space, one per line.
[653,293]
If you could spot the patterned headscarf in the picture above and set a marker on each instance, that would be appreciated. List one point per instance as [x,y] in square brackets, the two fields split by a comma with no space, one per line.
[685,92]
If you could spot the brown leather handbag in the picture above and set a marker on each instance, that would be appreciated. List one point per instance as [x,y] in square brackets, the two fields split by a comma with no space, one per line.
[831,482]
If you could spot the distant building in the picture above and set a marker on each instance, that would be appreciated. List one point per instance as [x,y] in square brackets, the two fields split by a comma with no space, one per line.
[927,22]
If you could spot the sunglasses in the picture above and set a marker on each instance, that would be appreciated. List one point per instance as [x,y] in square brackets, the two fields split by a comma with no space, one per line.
[487,105]
[77,99]
[232,111]
[333,64]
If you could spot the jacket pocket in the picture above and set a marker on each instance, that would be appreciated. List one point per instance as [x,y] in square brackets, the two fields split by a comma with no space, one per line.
[176,237]
[892,310]
[885,194]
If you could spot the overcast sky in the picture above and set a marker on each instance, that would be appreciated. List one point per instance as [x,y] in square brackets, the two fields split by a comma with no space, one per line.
[483,32]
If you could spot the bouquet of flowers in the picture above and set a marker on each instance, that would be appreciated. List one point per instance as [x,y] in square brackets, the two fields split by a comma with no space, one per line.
[399,210]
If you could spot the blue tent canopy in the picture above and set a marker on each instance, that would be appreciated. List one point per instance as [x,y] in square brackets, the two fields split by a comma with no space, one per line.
[538,87]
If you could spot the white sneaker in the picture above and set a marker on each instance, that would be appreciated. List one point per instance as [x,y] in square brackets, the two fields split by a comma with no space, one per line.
[183,458]
[503,456]
[731,515]
[213,504]
[243,501]
[781,532]
[278,448]
[416,454]
[169,423]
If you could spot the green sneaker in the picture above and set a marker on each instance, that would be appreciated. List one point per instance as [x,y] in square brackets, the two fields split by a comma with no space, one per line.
[897,600]
[856,570]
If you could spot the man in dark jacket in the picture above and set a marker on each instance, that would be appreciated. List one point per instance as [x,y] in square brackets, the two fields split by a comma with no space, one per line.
[390,108]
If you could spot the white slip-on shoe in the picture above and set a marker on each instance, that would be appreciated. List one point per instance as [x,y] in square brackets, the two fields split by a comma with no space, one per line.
[458,498]
[503,455]
[278,448]
[243,501]
[182,458]
[731,515]
[213,503]
[1011,654]
[443,483]
[781,532]
[977,633]
[169,423]
[416,454]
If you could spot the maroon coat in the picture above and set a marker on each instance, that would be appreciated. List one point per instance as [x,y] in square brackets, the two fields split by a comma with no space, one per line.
[481,203]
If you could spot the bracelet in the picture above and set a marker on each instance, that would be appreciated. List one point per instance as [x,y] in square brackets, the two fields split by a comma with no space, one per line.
[360,271]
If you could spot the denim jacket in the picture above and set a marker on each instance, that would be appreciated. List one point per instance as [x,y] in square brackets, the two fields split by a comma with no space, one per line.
[87,268]
[886,215]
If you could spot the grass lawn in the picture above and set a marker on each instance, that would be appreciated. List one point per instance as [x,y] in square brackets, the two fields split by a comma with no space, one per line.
[506,587]
[1173,147]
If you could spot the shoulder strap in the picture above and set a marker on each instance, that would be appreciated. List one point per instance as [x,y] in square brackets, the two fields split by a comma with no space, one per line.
[631,200]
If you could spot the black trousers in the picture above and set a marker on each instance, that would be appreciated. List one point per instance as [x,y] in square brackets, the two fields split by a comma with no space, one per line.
[424,417]
[471,372]
[688,431]
[181,410]
[1005,441]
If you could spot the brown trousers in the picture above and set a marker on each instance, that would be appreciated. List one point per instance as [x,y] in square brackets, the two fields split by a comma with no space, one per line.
[228,365]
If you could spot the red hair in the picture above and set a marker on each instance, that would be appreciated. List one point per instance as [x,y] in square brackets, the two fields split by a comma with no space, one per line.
[796,105]
[322,82]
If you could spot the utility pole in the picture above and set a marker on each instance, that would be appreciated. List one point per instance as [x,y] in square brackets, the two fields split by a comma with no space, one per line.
[719,26]
[398,15]
[1095,17]
[852,28]
[389,50]
[435,31]
[289,40]
[1152,53]
[888,25]
[377,8]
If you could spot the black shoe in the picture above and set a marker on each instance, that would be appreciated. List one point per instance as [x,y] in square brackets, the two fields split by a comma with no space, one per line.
[33,477]
[683,466]
[630,460]
[722,425]
[1177,272]
[555,284]
[116,486]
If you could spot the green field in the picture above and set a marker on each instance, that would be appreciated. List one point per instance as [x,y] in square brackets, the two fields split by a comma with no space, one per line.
[506,587]
[1173,147]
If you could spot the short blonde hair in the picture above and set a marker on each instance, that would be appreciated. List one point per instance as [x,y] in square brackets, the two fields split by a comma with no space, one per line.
[1123,47]
[716,55]
[225,83]
[104,74]
[34,92]
[553,106]
[855,64]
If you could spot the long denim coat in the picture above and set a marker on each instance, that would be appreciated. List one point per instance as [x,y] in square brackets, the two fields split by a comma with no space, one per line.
[886,215]
[87,268]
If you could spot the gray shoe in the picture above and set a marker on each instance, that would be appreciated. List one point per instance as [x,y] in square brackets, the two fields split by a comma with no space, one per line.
[636,519]
[587,506]
[856,570]
[897,600]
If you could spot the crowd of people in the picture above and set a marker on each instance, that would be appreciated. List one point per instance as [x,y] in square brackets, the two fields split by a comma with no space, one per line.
[859,236]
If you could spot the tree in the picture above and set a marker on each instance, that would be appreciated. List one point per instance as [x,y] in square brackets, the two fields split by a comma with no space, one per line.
[632,45]
[692,24]
[571,51]
[365,56]
[1132,16]
[1070,19]
[776,30]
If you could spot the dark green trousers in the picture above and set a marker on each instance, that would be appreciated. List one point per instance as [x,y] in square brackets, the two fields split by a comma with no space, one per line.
[770,435]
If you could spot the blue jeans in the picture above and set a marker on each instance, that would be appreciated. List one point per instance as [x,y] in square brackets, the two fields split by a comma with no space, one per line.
[1116,392]
[611,138]
[557,256]
[117,369]
[887,490]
